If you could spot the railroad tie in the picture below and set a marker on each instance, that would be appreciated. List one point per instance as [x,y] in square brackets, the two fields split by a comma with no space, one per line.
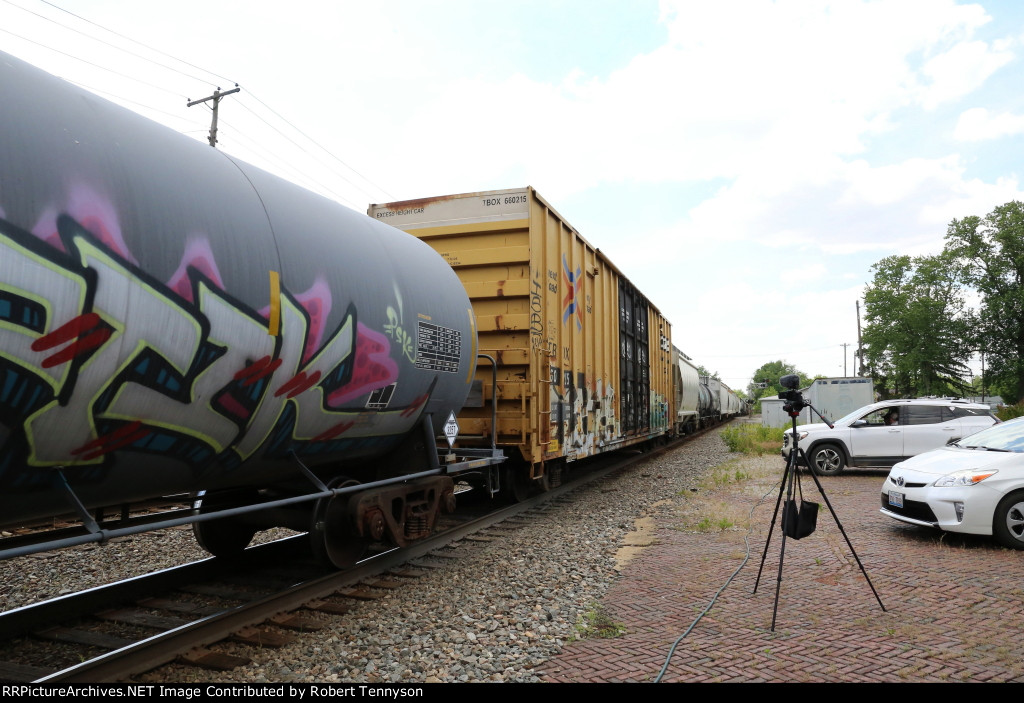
[291,621]
[262,637]
[216,661]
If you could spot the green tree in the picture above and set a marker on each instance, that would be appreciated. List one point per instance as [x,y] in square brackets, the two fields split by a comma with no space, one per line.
[991,251]
[916,336]
[701,371]
[765,382]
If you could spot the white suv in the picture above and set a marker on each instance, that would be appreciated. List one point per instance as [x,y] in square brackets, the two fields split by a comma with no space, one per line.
[882,434]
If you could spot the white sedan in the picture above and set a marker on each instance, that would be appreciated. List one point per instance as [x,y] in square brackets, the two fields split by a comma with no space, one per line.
[975,486]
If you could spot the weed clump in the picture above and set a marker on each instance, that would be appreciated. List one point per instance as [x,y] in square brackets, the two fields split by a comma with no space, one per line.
[597,623]
[753,439]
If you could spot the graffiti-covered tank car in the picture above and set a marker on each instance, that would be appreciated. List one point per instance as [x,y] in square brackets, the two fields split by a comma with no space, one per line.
[175,321]
[584,359]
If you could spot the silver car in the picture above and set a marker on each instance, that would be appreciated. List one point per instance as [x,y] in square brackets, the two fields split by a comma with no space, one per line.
[883,434]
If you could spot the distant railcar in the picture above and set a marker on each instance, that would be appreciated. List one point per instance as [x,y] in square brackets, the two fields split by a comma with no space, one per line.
[688,394]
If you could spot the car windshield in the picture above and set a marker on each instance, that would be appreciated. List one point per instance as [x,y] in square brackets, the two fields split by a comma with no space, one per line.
[1005,437]
[847,419]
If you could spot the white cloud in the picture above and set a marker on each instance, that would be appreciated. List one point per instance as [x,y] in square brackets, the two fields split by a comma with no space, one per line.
[978,124]
[961,70]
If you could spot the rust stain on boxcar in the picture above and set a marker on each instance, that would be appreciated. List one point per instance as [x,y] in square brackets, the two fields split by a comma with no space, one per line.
[418,202]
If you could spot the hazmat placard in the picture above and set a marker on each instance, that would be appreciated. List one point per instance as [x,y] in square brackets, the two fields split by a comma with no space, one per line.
[451,429]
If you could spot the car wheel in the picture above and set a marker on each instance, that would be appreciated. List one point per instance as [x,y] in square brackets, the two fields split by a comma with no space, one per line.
[1008,521]
[827,460]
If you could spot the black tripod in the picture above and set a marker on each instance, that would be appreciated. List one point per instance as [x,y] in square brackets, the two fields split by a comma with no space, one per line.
[790,520]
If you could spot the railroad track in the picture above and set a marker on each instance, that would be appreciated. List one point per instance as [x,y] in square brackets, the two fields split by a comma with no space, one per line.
[110,633]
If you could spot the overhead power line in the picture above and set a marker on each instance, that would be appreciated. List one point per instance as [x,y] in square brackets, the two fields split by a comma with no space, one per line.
[192,76]
[319,146]
[126,38]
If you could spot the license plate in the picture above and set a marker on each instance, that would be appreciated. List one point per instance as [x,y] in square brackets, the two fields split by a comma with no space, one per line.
[895,499]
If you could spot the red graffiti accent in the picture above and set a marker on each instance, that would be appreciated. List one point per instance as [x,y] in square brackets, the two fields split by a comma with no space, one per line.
[198,256]
[373,368]
[232,406]
[297,384]
[116,434]
[415,405]
[83,345]
[334,431]
[265,372]
[123,436]
[132,439]
[252,368]
[257,370]
[68,331]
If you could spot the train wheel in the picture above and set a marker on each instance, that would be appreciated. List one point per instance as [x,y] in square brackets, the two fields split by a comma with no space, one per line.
[332,536]
[225,537]
[515,483]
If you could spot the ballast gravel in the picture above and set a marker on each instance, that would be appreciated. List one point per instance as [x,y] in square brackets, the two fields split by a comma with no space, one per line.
[497,614]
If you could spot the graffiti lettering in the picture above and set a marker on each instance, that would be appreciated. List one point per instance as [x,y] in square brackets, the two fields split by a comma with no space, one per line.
[179,368]
[159,318]
[536,313]
[394,329]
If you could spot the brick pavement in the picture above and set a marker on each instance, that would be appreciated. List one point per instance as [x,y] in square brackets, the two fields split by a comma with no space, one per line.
[954,606]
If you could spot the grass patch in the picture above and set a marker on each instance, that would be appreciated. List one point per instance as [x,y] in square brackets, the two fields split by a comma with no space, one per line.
[597,623]
[709,524]
[753,439]
[725,474]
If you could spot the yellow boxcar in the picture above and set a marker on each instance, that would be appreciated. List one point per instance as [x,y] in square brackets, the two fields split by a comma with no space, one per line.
[584,360]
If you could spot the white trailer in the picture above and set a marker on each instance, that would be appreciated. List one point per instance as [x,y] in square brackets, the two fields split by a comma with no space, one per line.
[772,414]
[836,397]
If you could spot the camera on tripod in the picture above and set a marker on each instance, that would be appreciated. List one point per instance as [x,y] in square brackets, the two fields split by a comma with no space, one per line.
[795,397]
[799,517]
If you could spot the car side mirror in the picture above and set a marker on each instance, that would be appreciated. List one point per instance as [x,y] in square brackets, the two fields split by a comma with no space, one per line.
[859,423]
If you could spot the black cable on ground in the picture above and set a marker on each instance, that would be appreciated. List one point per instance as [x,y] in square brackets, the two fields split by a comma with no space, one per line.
[746,558]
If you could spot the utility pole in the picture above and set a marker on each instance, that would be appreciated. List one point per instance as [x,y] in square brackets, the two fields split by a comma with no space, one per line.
[844,345]
[982,375]
[217,95]
[860,348]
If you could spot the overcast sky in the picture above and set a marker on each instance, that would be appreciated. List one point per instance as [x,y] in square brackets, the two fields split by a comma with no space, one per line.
[744,163]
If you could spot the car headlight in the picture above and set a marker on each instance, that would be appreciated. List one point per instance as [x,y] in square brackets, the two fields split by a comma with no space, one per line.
[966,477]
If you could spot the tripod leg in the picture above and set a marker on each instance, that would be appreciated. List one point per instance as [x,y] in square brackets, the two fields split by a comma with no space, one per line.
[791,475]
[771,528]
[835,517]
